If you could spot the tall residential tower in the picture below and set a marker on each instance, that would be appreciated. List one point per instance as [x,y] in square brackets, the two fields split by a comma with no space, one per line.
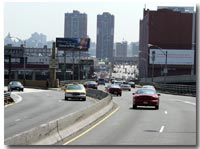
[105,36]
[75,25]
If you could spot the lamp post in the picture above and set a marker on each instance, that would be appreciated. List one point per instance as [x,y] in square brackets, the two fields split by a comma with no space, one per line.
[153,59]
[23,45]
[164,53]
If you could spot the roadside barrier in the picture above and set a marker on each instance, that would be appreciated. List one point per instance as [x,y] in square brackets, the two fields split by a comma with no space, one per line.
[7,98]
[64,127]
[177,88]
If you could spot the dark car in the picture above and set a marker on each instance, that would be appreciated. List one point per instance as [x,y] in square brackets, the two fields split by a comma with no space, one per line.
[132,84]
[15,85]
[101,81]
[114,89]
[91,84]
[146,97]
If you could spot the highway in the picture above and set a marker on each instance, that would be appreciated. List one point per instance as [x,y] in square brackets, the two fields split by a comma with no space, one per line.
[173,124]
[37,107]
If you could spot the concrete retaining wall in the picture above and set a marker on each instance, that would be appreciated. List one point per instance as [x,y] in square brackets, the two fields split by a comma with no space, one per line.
[55,131]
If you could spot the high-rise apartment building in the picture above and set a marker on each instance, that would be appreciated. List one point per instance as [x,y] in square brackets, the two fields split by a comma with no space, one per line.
[134,47]
[121,49]
[105,36]
[75,25]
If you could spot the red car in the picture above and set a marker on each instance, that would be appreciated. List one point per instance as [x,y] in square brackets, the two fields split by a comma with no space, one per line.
[114,89]
[91,84]
[146,97]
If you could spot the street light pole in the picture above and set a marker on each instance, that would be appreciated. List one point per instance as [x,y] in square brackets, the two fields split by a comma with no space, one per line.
[164,53]
[165,66]
[153,59]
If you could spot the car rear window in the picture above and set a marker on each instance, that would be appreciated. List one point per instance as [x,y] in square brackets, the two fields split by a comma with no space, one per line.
[101,80]
[74,87]
[91,82]
[147,92]
[16,83]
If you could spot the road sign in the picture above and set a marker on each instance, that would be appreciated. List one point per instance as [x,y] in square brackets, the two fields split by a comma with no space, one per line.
[53,63]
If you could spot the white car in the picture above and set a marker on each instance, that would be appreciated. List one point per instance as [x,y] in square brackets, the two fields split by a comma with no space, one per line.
[125,87]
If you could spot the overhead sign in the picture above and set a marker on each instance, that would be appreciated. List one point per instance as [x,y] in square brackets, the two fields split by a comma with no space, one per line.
[174,57]
[81,44]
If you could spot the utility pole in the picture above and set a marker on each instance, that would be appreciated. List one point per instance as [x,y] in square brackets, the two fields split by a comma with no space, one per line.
[53,82]
[64,65]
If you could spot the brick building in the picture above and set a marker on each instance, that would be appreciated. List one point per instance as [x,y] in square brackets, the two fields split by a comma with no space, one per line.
[170,30]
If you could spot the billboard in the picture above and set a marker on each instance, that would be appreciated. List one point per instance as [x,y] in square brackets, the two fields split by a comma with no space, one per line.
[174,57]
[81,44]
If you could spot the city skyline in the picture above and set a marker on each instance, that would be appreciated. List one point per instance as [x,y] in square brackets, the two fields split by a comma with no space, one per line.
[48,18]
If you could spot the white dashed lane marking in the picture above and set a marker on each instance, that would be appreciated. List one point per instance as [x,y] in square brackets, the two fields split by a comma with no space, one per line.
[161,129]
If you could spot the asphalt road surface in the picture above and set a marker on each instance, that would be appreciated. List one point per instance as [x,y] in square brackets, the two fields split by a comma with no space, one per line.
[173,124]
[38,107]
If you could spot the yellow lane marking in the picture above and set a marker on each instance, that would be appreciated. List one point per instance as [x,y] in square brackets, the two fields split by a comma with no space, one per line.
[75,138]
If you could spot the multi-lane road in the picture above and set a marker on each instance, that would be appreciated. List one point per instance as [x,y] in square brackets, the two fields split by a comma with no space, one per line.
[36,107]
[173,124]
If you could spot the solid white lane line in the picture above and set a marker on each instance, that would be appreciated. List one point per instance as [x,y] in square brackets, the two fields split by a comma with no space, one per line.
[189,102]
[161,129]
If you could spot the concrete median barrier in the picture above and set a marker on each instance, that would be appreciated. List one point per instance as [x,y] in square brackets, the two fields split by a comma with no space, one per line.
[64,127]
[98,94]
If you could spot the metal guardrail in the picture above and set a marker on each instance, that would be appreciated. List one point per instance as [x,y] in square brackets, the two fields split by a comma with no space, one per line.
[172,79]
[177,88]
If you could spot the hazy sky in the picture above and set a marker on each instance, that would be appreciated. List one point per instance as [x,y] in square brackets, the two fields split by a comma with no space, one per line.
[22,19]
